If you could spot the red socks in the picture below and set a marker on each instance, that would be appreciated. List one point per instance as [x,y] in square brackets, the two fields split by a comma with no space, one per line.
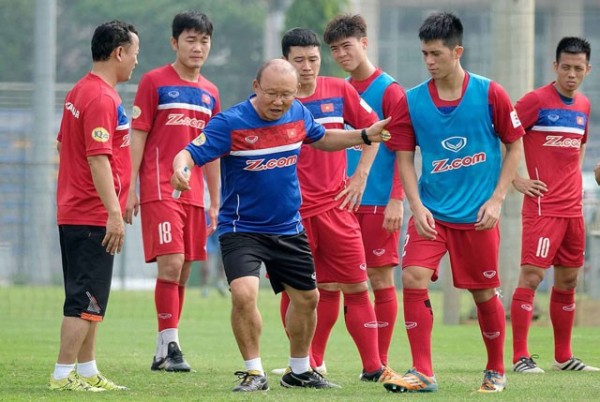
[492,323]
[418,319]
[362,326]
[386,311]
[562,315]
[521,314]
[181,293]
[166,299]
[328,311]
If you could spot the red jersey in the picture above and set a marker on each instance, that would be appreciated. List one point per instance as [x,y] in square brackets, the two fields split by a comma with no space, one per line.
[556,128]
[501,111]
[93,123]
[322,174]
[173,112]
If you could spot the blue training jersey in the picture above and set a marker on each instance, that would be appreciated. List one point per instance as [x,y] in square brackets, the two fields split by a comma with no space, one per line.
[379,182]
[460,150]
[259,182]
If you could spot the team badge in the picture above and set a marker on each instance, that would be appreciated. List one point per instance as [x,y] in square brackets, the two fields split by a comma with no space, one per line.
[199,140]
[291,132]
[136,112]
[580,120]
[251,139]
[454,144]
[206,99]
[100,134]
[327,107]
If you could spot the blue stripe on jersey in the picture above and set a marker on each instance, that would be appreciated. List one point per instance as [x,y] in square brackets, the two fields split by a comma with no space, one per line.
[122,120]
[561,120]
[324,108]
[460,151]
[260,192]
[379,181]
[185,95]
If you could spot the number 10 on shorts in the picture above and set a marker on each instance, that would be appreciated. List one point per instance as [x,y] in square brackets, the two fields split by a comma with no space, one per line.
[543,247]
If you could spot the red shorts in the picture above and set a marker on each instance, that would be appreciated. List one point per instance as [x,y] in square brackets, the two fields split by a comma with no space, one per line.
[336,245]
[473,254]
[170,227]
[381,246]
[549,240]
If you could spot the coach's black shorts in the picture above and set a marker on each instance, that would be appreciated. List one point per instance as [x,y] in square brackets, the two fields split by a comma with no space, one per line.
[87,271]
[287,258]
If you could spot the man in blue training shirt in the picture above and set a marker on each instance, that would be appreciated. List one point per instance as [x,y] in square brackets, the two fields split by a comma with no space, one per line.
[258,142]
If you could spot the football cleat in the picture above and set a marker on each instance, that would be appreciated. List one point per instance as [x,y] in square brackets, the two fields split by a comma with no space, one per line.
[527,365]
[99,381]
[72,383]
[173,362]
[251,380]
[381,375]
[308,379]
[493,381]
[411,381]
[573,364]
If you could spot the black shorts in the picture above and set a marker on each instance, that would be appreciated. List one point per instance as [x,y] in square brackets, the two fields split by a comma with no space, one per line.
[287,258]
[87,271]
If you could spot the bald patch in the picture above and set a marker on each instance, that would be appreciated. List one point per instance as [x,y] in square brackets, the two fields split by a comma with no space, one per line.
[277,66]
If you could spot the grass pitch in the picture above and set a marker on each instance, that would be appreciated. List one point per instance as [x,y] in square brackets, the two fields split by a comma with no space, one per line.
[29,338]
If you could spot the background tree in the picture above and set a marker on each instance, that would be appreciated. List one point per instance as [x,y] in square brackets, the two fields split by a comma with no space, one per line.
[315,14]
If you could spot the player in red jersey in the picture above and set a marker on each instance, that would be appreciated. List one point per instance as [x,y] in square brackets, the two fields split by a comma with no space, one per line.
[172,105]
[381,212]
[329,199]
[458,120]
[93,181]
[556,118]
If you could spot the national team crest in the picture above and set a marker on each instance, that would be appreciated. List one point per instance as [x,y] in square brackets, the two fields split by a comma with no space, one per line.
[454,144]
[291,132]
[327,107]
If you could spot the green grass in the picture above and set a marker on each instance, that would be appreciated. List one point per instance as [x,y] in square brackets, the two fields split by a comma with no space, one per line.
[30,320]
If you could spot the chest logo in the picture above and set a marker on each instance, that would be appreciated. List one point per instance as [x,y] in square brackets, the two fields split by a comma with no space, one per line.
[454,144]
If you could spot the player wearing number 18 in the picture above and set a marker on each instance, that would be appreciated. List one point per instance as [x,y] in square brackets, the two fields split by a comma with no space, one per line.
[556,118]
[172,105]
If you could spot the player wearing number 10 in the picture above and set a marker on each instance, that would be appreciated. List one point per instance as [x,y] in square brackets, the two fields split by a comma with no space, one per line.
[556,118]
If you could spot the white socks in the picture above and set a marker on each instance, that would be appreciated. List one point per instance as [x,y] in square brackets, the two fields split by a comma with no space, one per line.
[299,365]
[62,371]
[87,369]
[254,365]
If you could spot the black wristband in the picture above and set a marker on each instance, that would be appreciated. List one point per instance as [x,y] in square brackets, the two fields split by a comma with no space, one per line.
[365,138]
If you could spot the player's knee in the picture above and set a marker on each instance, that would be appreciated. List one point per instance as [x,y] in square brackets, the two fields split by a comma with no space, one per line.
[413,279]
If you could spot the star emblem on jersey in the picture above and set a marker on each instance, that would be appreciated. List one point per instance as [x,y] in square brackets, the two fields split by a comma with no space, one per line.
[454,144]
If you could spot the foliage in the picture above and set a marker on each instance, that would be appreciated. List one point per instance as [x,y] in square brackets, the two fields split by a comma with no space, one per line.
[315,14]
[16,31]
[236,49]
[236,43]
